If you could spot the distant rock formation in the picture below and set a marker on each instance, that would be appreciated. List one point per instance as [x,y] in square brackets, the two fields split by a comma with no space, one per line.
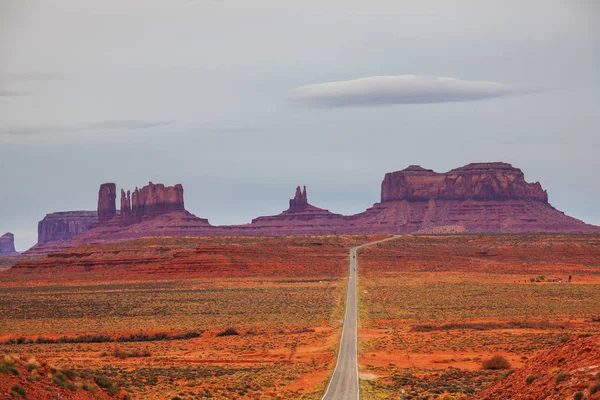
[64,225]
[299,202]
[297,215]
[153,199]
[7,245]
[107,195]
[476,198]
[478,181]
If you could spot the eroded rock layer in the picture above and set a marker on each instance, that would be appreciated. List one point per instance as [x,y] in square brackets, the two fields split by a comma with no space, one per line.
[478,181]
[476,198]
[65,225]
[300,210]
[7,245]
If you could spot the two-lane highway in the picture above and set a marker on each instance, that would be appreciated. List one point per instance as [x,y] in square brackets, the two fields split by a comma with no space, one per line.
[344,381]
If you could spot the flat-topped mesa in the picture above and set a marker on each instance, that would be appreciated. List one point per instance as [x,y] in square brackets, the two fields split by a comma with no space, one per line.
[7,245]
[107,196]
[477,181]
[299,202]
[153,199]
[64,225]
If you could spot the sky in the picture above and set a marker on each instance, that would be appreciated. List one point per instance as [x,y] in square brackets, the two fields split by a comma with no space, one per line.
[242,101]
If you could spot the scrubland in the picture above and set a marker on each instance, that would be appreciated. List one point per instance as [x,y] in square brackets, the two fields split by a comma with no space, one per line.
[435,309]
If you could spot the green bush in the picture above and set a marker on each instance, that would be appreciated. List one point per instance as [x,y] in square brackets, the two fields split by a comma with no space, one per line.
[531,378]
[595,388]
[578,396]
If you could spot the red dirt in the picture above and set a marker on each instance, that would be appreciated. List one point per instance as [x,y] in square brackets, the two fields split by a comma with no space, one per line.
[579,362]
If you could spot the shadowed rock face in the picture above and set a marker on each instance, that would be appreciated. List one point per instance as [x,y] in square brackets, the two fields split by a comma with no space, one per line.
[153,199]
[478,181]
[65,225]
[299,202]
[106,201]
[7,245]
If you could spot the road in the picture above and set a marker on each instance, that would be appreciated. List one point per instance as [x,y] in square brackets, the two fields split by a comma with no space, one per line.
[344,381]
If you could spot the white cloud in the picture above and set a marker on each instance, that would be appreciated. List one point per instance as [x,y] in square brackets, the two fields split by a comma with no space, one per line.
[399,89]
[107,124]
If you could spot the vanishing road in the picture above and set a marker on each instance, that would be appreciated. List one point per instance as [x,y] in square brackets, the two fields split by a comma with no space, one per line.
[344,381]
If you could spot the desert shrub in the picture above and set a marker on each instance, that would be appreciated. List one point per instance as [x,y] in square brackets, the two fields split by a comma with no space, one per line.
[32,364]
[496,362]
[485,326]
[122,354]
[105,383]
[59,379]
[578,396]
[561,377]
[87,387]
[19,390]
[8,366]
[70,374]
[228,332]
[595,388]
[531,378]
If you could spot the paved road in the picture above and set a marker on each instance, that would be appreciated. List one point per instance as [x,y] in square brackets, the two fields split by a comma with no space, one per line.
[344,381]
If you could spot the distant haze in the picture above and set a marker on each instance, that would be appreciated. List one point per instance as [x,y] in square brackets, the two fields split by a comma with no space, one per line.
[243,101]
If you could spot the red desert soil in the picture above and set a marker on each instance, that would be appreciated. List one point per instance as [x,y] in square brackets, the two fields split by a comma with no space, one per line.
[434,308]
[151,316]
[557,373]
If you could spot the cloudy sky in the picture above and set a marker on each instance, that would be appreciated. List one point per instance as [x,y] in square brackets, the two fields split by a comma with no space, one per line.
[240,101]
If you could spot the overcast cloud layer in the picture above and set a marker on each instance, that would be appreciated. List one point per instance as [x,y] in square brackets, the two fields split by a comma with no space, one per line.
[400,89]
[241,101]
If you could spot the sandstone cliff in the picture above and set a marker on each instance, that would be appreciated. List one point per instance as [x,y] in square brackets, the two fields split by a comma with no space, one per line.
[478,181]
[64,225]
[153,199]
[106,201]
[476,198]
[7,245]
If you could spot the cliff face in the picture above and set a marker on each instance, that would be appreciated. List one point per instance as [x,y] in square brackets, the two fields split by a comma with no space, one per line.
[65,225]
[476,198]
[479,181]
[153,199]
[300,201]
[7,245]
[106,201]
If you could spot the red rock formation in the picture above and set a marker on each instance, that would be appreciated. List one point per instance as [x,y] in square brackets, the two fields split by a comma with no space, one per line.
[107,196]
[297,216]
[479,181]
[7,245]
[299,201]
[64,225]
[125,204]
[155,199]
[477,198]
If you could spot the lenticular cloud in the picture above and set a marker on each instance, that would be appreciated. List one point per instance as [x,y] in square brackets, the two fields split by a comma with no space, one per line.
[399,89]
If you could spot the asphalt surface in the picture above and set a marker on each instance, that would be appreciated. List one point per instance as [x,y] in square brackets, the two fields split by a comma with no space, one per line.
[344,381]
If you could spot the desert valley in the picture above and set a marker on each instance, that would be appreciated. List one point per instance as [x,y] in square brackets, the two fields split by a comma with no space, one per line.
[483,290]
[312,200]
